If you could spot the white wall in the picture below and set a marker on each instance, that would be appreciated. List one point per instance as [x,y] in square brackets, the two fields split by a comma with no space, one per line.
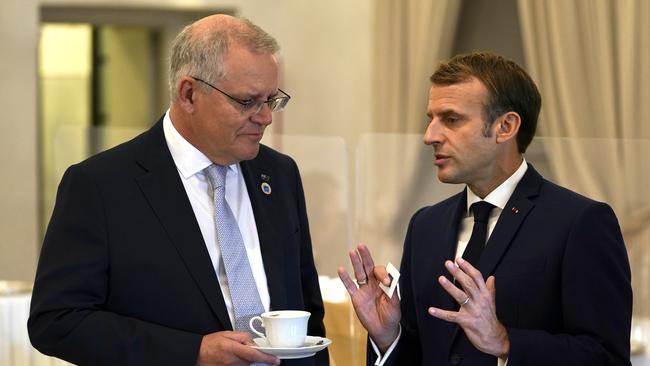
[327,53]
[18,140]
[326,48]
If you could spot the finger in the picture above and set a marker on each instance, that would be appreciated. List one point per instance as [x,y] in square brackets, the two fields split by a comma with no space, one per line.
[347,281]
[252,355]
[458,295]
[366,258]
[359,272]
[473,273]
[239,337]
[450,316]
[462,279]
[381,274]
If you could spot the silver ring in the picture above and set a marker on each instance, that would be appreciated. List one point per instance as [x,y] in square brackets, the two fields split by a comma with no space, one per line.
[361,283]
[465,302]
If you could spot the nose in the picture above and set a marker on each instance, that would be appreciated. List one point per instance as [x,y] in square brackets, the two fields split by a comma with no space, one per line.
[264,116]
[432,134]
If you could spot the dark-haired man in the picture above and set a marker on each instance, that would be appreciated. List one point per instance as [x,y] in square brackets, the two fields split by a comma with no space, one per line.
[514,269]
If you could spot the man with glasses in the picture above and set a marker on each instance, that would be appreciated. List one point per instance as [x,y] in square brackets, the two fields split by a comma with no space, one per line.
[160,250]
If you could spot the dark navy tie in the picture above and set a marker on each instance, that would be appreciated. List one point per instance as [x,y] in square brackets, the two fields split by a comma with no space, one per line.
[477,241]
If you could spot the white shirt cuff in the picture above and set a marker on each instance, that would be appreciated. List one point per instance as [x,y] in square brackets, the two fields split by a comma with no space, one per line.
[381,359]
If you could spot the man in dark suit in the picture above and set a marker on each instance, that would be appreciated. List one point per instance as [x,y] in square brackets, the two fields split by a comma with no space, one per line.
[133,269]
[541,277]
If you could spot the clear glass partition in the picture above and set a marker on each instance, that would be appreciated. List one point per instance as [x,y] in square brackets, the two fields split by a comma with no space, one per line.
[323,164]
[395,177]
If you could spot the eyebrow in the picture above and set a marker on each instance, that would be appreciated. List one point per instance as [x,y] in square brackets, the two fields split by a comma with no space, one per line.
[258,96]
[446,113]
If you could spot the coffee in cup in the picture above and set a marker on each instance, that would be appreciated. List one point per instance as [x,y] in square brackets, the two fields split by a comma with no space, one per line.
[284,328]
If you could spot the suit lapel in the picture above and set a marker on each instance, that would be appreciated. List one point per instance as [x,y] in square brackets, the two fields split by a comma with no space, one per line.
[268,225]
[513,215]
[455,215]
[429,256]
[452,225]
[164,191]
[452,242]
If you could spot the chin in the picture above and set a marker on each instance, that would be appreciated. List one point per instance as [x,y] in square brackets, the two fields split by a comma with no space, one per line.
[447,177]
[251,152]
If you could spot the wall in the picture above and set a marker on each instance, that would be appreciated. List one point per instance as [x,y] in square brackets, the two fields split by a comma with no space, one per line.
[327,54]
[18,140]
[330,90]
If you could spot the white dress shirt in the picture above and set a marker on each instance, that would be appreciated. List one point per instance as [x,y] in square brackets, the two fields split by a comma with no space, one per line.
[498,197]
[190,163]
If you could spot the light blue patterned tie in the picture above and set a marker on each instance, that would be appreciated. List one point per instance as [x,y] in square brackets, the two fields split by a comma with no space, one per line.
[243,291]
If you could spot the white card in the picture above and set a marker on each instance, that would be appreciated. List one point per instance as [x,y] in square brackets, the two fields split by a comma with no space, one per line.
[394,274]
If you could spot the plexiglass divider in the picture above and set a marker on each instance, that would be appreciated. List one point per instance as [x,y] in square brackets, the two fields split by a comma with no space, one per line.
[324,167]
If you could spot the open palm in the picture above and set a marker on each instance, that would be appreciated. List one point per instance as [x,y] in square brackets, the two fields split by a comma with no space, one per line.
[378,313]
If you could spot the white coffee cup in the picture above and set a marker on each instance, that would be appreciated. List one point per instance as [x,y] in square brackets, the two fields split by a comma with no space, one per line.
[284,328]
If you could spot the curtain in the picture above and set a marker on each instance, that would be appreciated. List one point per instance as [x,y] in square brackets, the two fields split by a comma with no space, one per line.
[591,61]
[412,37]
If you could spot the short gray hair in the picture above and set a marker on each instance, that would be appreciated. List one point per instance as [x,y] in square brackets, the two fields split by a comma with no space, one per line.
[201,54]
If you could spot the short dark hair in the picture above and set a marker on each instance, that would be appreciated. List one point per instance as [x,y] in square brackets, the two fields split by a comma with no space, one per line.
[509,88]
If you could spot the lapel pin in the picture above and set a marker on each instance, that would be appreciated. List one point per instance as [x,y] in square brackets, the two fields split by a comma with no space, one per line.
[266,188]
[515,210]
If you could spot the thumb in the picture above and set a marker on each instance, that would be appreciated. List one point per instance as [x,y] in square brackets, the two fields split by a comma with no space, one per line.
[491,286]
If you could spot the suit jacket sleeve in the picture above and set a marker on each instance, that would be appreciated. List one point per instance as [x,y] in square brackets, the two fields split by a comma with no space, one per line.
[71,286]
[596,300]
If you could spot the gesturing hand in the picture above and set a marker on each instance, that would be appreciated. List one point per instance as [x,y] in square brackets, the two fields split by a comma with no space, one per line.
[379,314]
[231,348]
[477,313]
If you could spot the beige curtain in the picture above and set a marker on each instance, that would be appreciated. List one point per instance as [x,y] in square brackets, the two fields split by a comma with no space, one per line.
[412,37]
[591,59]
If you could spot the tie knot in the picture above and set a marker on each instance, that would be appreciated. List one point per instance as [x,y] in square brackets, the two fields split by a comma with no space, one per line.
[481,211]
[216,175]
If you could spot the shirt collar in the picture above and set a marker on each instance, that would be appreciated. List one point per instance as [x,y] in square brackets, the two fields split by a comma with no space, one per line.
[501,194]
[188,159]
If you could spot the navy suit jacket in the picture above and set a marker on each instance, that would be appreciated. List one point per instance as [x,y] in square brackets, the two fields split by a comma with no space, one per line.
[124,276]
[562,282]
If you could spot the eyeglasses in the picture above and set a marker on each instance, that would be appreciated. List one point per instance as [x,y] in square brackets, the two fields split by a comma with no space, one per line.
[276,104]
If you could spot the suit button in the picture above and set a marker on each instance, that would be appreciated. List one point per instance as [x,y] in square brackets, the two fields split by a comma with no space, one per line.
[455,359]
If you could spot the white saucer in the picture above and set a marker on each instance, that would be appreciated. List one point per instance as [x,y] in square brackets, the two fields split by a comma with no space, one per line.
[311,346]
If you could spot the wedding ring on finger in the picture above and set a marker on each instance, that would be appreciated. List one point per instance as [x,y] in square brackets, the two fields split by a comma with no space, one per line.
[363,282]
[465,302]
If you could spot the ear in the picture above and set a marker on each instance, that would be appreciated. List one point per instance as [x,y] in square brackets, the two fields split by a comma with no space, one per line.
[186,92]
[507,127]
